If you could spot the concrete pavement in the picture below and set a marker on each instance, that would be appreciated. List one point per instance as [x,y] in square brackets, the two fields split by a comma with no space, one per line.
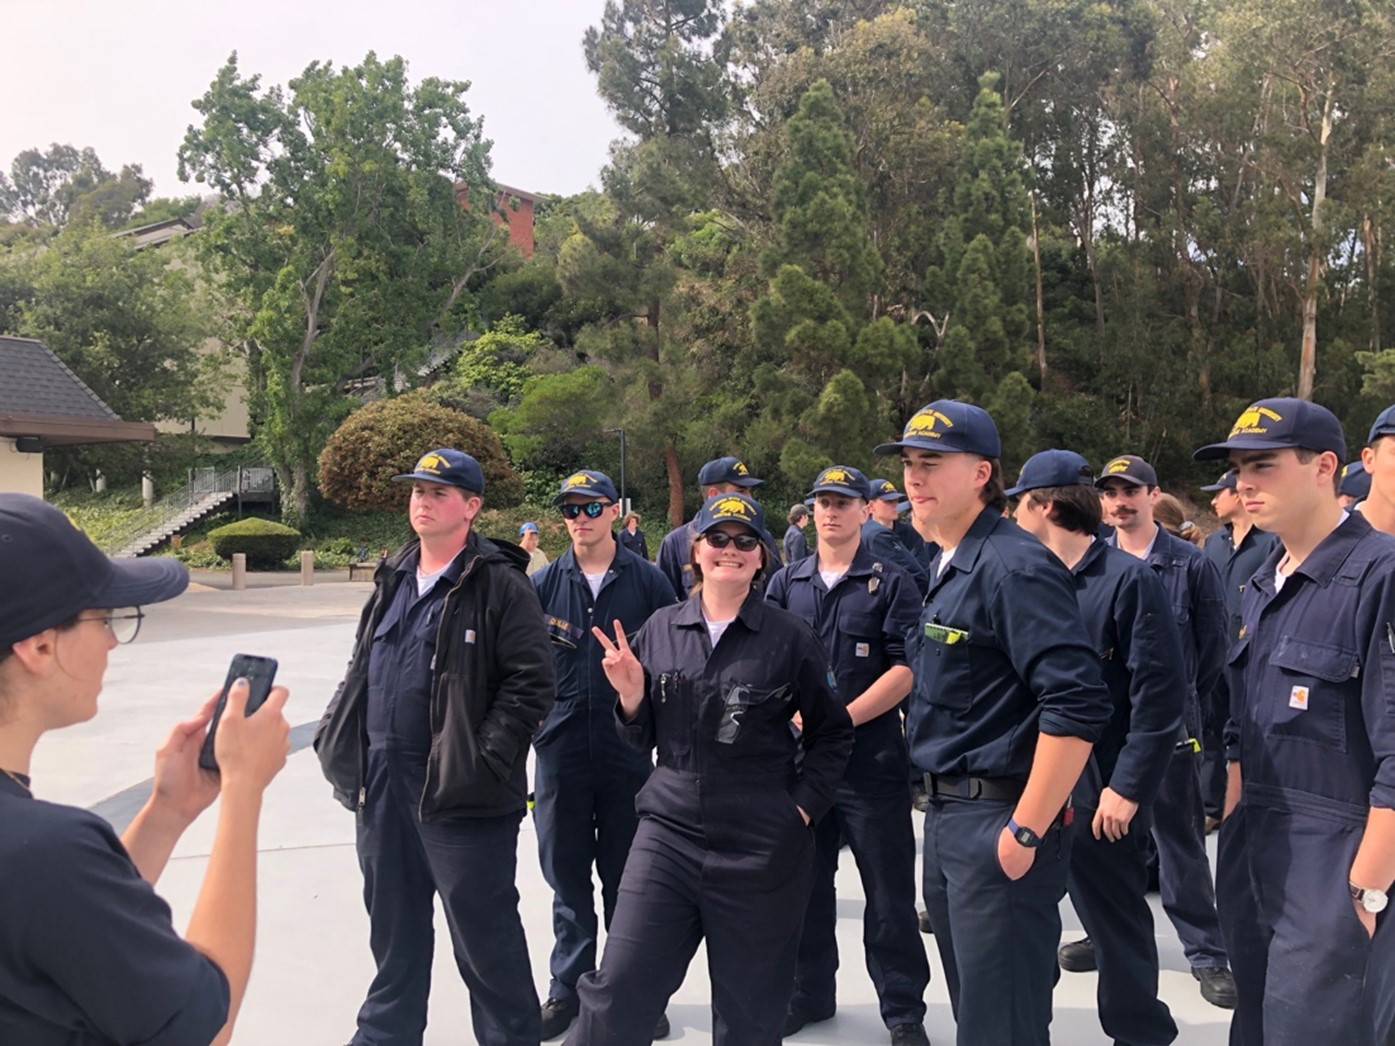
[313,964]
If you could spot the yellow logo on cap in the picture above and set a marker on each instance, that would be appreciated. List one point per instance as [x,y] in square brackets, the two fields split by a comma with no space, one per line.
[835,476]
[740,469]
[732,506]
[1117,465]
[1345,470]
[1254,421]
[926,423]
[433,463]
[579,479]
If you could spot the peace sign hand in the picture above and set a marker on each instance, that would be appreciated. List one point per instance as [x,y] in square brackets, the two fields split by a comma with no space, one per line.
[621,667]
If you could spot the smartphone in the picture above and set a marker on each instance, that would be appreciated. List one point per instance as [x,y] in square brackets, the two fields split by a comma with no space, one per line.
[260,673]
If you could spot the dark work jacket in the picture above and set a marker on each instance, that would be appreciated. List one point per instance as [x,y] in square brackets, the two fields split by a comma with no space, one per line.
[887,546]
[632,589]
[635,542]
[676,557]
[1236,566]
[1312,680]
[723,714]
[1019,663]
[1130,622]
[492,683]
[862,623]
[796,544]
[1198,606]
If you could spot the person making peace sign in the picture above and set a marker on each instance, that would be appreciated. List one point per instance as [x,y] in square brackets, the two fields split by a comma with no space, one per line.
[722,683]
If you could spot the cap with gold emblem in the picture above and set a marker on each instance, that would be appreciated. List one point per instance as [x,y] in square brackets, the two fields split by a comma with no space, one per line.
[1130,468]
[729,508]
[454,468]
[844,480]
[950,427]
[727,470]
[1275,424]
[589,484]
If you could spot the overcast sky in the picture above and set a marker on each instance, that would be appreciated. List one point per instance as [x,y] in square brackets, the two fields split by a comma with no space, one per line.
[119,76]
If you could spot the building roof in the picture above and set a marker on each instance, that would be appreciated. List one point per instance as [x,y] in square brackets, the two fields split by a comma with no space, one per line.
[157,233]
[42,397]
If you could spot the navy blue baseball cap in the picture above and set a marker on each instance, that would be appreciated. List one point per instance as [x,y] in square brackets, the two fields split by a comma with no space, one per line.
[50,571]
[1129,467]
[588,483]
[1384,425]
[844,480]
[1280,423]
[1053,468]
[729,508]
[1356,482]
[727,470]
[453,468]
[1226,482]
[949,427]
[884,490]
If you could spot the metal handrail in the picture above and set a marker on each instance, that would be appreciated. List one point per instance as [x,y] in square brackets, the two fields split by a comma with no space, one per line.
[202,482]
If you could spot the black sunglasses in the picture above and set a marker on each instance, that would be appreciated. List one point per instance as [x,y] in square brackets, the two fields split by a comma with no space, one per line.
[721,539]
[591,509]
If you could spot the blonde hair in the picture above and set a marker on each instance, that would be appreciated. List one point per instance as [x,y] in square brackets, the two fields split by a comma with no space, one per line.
[1168,511]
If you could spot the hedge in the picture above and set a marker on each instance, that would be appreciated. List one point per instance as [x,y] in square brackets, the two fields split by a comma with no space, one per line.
[266,544]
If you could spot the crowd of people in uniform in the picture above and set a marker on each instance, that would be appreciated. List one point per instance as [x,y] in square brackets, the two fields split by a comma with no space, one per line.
[1071,686]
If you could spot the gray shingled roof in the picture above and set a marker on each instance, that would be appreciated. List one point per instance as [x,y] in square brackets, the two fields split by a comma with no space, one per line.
[35,381]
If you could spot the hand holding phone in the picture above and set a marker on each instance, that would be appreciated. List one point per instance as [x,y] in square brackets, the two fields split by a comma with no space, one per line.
[260,673]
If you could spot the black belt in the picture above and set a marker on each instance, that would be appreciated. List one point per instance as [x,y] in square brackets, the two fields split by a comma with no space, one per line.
[1001,789]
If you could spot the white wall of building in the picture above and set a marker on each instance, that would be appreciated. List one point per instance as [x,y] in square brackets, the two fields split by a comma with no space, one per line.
[20,473]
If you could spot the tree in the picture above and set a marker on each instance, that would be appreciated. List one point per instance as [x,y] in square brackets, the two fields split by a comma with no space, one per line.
[385,439]
[491,370]
[49,188]
[340,236]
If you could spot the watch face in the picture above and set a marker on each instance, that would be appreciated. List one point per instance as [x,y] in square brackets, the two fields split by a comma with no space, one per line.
[1374,901]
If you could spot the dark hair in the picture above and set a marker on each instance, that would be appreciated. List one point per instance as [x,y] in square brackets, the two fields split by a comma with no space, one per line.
[5,652]
[1305,456]
[796,512]
[697,570]
[993,492]
[1075,508]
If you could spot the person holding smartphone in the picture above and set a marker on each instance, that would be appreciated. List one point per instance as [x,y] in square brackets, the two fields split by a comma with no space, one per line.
[88,951]
[724,683]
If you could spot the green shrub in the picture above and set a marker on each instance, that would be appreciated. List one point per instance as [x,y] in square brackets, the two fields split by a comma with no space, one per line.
[266,544]
[336,547]
[386,438]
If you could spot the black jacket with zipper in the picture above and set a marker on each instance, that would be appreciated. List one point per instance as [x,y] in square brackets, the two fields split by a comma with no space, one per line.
[492,684]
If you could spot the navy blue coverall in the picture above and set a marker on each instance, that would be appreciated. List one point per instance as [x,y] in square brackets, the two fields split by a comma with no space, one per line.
[1179,818]
[886,545]
[721,852]
[1000,655]
[796,545]
[585,778]
[1130,623]
[1313,728]
[675,557]
[863,622]
[1236,566]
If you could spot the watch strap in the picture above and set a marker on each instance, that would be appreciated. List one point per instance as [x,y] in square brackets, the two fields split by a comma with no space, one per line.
[1024,836]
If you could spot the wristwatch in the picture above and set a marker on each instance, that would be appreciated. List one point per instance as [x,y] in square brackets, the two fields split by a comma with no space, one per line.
[1028,838]
[1373,901]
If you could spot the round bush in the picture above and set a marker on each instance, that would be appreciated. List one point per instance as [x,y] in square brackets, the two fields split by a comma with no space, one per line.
[386,438]
[266,544]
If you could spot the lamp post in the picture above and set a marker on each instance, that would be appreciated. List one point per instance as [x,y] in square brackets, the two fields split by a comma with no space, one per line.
[623,506]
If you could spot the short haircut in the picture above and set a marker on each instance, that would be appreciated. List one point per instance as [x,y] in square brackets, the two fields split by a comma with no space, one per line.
[797,512]
[1306,456]
[1075,507]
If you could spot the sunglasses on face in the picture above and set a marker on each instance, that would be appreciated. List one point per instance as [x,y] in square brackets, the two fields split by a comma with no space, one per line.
[721,539]
[590,509]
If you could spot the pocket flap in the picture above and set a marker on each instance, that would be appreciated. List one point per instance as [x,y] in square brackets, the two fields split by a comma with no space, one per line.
[865,626]
[1315,659]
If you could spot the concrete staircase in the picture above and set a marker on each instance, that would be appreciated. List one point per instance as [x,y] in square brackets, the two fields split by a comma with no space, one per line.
[199,507]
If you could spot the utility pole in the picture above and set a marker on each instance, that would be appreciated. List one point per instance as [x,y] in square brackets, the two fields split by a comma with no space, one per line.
[624,506]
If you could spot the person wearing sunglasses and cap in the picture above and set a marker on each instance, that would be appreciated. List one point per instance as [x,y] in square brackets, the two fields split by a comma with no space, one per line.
[585,777]
[1306,853]
[724,851]
[1237,547]
[861,605]
[426,740]
[88,952]
[727,475]
[1129,621]
[1006,705]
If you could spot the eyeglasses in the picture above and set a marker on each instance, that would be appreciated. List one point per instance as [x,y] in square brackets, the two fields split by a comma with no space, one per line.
[591,509]
[721,539]
[123,623]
